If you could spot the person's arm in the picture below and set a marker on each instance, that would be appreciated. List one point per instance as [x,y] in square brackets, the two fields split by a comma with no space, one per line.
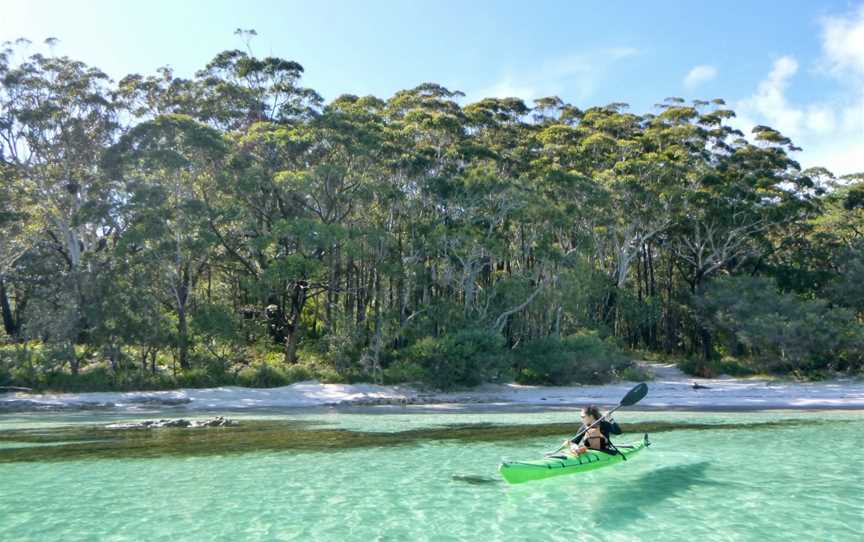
[580,438]
[613,427]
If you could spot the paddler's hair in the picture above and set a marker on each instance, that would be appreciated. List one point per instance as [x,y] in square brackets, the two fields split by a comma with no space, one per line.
[592,411]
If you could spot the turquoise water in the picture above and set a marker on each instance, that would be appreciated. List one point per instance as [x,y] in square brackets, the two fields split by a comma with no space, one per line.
[721,476]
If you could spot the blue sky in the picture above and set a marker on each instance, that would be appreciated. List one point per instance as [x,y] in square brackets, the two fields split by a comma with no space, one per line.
[797,65]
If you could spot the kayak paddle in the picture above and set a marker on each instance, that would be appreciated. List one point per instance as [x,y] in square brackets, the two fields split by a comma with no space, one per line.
[633,396]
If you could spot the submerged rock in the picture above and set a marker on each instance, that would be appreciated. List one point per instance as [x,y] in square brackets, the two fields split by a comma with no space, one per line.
[218,421]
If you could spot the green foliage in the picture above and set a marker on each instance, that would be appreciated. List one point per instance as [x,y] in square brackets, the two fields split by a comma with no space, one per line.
[402,371]
[781,331]
[200,377]
[716,367]
[582,358]
[634,373]
[5,376]
[268,376]
[230,228]
[846,289]
[462,358]
[99,378]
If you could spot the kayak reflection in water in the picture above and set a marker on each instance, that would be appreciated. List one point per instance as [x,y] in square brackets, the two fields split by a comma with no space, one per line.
[595,438]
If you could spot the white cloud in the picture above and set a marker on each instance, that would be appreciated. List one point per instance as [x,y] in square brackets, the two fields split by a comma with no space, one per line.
[573,76]
[698,75]
[831,132]
[820,119]
[769,102]
[843,43]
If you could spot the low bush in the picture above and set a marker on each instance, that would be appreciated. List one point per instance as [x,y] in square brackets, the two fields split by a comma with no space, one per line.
[265,376]
[780,332]
[403,371]
[714,368]
[634,373]
[464,358]
[584,358]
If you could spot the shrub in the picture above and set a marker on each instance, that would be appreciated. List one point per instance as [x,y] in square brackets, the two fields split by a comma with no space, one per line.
[464,358]
[403,371]
[579,358]
[263,376]
[98,378]
[634,373]
[715,368]
[782,332]
[200,378]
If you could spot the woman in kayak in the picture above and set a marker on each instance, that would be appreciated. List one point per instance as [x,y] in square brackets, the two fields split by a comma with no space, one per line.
[595,438]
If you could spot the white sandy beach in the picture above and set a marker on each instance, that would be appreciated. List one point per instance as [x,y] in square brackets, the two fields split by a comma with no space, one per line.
[670,389]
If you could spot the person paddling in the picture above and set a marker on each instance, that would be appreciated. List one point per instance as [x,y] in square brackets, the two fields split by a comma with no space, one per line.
[596,437]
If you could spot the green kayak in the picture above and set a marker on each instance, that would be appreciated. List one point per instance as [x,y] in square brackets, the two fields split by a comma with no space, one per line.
[517,472]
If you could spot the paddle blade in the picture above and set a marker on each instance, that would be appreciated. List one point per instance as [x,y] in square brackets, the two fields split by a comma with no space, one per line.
[635,395]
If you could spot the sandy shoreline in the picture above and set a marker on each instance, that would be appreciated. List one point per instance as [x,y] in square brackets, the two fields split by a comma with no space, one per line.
[670,390]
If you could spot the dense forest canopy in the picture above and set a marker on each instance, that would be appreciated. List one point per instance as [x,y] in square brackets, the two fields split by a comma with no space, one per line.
[234,228]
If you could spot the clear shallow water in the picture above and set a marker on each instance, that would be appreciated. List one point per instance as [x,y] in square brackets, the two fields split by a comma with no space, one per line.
[727,477]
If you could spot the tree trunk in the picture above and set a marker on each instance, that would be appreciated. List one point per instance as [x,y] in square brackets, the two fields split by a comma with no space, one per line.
[292,325]
[74,362]
[291,344]
[10,323]
[182,297]
[669,325]
[349,288]
[182,337]
[376,339]
[704,333]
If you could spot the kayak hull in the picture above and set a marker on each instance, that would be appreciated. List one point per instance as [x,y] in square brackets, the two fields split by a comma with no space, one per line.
[518,472]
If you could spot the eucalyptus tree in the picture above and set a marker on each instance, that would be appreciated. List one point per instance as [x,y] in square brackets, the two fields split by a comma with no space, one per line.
[835,244]
[487,197]
[58,117]
[14,243]
[561,204]
[731,209]
[236,89]
[147,97]
[166,165]
[598,193]
[250,213]
[427,126]
[512,181]
[351,208]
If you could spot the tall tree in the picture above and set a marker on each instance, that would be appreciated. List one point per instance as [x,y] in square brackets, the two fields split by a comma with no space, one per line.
[167,163]
[58,119]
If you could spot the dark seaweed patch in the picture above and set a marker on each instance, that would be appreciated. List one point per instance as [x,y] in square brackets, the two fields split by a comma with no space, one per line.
[98,442]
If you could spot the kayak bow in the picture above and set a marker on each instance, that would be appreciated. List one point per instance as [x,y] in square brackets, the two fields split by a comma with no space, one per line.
[517,472]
